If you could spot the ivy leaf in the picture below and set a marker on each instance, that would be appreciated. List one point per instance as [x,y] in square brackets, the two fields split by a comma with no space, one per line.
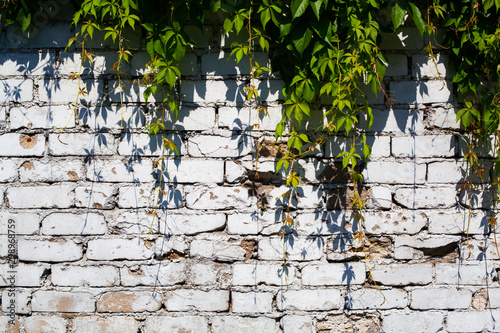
[316,7]
[299,7]
[302,43]
[397,15]
[417,18]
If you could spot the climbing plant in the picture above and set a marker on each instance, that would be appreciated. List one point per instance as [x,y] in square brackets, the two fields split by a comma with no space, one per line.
[327,52]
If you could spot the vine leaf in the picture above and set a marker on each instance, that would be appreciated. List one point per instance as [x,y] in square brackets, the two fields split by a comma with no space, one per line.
[397,15]
[299,7]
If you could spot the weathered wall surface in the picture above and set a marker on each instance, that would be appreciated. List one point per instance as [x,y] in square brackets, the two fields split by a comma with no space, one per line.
[81,202]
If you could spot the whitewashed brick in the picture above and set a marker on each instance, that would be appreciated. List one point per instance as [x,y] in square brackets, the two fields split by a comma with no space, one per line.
[141,145]
[220,64]
[53,116]
[57,250]
[16,90]
[51,171]
[165,274]
[166,324]
[455,222]
[84,144]
[193,224]
[380,198]
[402,275]
[307,197]
[298,324]
[218,198]
[108,324]
[102,63]
[220,146]
[24,223]
[121,171]
[310,300]
[472,321]
[45,35]
[25,275]
[226,249]
[405,38]
[116,249]
[92,276]
[195,171]
[440,298]
[380,145]
[424,146]
[20,301]
[421,92]
[251,302]
[424,67]
[400,173]
[132,222]
[129,91]
[14,144]
[364,299]
[45,324]
[398,65]
[211,91]
[403,222]
[301,249]
[465,274]
[256,274]
[437,197]
[243,324]
[8,170]
[59,196]
[396,120]
[334,274]
[60,301]
[100,196]
[64,91]
[445,172]
[197,300]
[443,118]
[413,247]
[147,195]
[412,322]
[106,117]
[9,325]
[209,274]
[27,64]
[73,224]
[247,118]
[325,223]
[128,301]
[268,223]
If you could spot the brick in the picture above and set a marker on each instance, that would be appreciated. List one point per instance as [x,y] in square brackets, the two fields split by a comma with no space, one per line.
[218,197]
[118,249]
[166,324]
[112,117]
[193,224]
[424,146]
[307,196]
[45,35]
[42,324]
[216,248]
[167,274]
[92,276]
[472,321]
[413,247]
[9,325]
[100,196]
[57,250]
[446,172]
[244,118]
[147,195]
[16,90]
[424,67]
[243,324]
[14,144]
[266,223]
[310,300]
[25,275]
[60,196]
[23,223]
[55,116]
[20,301]
[129,92]
[210,274]
[195,171]
[455,222]
[60,301]
[8,170]
[220,64]
[480,249]
[257,274]
[402,274]
[405,38]
[191,119]
[380,198]
[125,301]
[64,91]
[132,222]
[141,145]
[405,222]
[437,197]
[188,66]
[333,274]
[398,65]
[102,64]
[380,145]
[212,91]
[315,224]
[51,171]
[27,64]
[117,171]
[220,146]
[401,173]
[476,274]
[396,120]
[83,144]
[298,324]
[251,302]
[300,249]
[483,148]
[412,322]
[421,92]
[203,37]
[197,300]
[116,324]
[365,299]
[440,298]
[443,118]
